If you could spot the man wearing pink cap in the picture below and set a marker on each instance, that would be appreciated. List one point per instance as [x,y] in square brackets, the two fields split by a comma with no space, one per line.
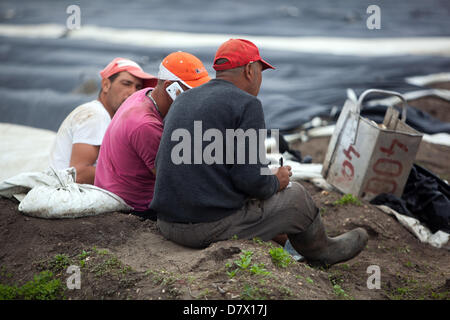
[126,163]
[198,203]
[80,135]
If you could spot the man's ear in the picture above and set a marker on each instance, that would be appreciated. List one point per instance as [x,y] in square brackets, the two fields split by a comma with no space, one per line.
[106,84]
[248,71]
[167,83]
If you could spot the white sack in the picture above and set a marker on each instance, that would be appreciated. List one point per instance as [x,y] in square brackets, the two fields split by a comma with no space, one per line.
[54,194]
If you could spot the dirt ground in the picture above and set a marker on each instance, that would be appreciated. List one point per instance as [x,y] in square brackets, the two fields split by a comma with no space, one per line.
[121,257]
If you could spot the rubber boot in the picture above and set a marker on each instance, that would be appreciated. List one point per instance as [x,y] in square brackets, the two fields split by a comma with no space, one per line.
[320,250]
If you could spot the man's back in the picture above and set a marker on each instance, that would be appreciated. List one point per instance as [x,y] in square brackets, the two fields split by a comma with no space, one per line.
[196,191]
[128,151]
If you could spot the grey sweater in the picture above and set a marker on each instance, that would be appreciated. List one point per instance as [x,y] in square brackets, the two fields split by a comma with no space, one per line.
[189,192]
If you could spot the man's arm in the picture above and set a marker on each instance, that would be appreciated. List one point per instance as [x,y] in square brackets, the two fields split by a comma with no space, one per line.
[247,177]
[282,174]
[145,141]
[83,158]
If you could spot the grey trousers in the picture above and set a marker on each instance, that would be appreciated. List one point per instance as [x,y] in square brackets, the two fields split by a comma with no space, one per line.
[289,211]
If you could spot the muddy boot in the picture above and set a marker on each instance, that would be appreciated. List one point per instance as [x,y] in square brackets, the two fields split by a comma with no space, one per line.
[320,250]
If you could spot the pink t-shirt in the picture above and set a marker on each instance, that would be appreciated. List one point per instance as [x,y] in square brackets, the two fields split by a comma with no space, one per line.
[128,151]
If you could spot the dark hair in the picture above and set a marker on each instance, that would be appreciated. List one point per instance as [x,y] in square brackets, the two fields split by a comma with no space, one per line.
[110,78]
[221,61]
[113,77]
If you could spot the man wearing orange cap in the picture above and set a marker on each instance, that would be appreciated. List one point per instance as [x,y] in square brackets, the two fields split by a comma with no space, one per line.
[80,135]
[126,164]
[198,203]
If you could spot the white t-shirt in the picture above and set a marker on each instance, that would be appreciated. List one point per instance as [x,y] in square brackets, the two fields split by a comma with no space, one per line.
[85,124]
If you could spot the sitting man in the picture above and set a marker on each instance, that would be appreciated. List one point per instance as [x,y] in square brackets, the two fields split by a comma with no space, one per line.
[202,201]
[126,164]
[80,135]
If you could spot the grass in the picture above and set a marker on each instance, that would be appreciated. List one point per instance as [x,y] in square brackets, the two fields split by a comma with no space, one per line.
[257,240]
[59,262]
[168,281]
[44,286]
[280,257]
[414,289]
[110,265]
[338,291]
[259,269]
[245,261]
[245,264]
[336,282]
[347,199]
[4,273]
[162,277]
[401,293]
[250,292]
[83,257]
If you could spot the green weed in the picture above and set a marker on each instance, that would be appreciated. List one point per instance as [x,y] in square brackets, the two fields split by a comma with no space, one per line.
[280,257]
[43,287]
[245,261]
[347,199]
[259,269]
[59,263]
[338,291]
[253,293]
[245,264]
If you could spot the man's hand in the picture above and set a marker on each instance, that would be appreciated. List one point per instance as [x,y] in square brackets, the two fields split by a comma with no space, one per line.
[283,174]
[83,158]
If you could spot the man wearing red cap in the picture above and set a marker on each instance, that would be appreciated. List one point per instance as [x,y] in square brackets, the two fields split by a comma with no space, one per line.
[126,164]
[200,203]
[80,135]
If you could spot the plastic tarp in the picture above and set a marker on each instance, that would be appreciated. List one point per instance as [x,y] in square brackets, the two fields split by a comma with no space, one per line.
[23,149]
[425,197]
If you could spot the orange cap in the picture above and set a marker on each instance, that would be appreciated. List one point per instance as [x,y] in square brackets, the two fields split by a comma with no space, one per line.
[122,64]
[183,67]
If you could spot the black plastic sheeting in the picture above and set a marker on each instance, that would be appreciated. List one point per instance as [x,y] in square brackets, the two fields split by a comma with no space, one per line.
[425,197]
[331,18]
[40,79]
[417,119]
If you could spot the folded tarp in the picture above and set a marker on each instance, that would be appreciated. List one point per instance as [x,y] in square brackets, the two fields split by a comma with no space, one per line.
[425,198]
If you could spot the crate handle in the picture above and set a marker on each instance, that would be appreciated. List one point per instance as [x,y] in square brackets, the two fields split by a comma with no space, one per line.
[384,92]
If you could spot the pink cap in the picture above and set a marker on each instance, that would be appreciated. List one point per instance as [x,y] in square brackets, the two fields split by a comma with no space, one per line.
[122,64]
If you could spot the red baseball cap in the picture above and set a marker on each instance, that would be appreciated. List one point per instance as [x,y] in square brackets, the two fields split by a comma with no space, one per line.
[122,64]
[238,52]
